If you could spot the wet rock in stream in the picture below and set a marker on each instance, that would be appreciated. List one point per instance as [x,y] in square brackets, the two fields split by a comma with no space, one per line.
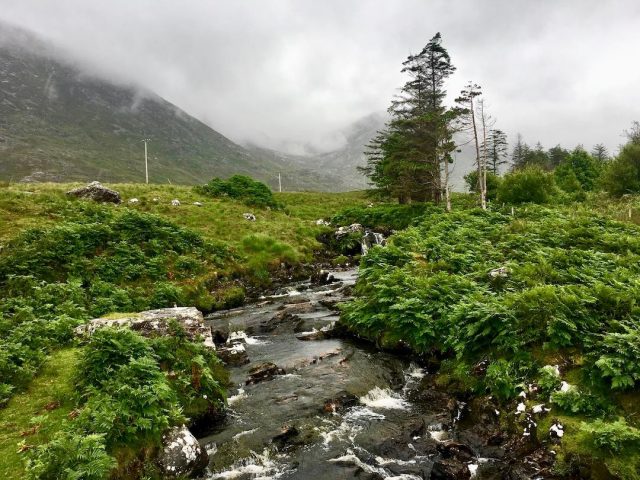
[283,322]
[262,372]
[233,355]
[340,402]
[322,277]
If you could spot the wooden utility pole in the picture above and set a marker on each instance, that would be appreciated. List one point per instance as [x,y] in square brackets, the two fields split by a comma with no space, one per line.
[146,163]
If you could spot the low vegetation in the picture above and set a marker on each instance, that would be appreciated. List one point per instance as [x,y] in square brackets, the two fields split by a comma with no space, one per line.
[547,286]
[243,188]
[64,261]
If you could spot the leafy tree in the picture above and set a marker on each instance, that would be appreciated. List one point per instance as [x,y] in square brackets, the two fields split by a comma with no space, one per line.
[405,159]
[528,185]
[493,182]
[581,166]
[537,157]
[622,175]
[496,147]
[633,134]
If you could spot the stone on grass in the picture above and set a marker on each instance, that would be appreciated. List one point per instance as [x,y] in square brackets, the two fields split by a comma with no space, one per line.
[97,192]
[156,323]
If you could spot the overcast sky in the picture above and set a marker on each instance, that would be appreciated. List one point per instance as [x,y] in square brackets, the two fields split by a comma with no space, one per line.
[283,72]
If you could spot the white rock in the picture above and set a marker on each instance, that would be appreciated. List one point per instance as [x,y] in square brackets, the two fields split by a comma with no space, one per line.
[502,272]
[181,454]
[134,200]
[197,204]
[175,202]
[557,429]
[249,216]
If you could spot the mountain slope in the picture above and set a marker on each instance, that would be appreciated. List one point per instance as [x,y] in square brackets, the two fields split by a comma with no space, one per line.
[344,161]
[339,166]
[57,123]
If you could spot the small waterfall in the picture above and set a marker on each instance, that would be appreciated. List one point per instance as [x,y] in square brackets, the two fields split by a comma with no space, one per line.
[370,239]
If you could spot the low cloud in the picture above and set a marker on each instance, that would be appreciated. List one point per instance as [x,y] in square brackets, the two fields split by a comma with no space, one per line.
[291,73]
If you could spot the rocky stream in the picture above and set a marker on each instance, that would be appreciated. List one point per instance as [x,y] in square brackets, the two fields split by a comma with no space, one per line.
[310,404]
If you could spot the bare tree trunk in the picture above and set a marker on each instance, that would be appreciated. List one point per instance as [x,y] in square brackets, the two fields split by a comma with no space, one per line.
[483,200]
[485,159]
[447,194]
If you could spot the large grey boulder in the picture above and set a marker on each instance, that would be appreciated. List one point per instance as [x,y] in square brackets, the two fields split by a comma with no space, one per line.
[181,454]
[155,323]
[97,192]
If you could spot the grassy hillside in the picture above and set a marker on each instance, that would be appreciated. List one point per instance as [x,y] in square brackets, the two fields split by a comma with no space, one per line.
[63,261]
[28,205]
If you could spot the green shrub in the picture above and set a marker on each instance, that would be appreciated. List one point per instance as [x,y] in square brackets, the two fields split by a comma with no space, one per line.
[386,216]
[548,380]
[135,404]
[577,401]
[239,187]
[622,174]
[529,185]
[501,379]
[131,389]
[612,436]
[483,285]
[578,172]
[70,456]
[493,182]
[108,350]
[99,261]
[618,356]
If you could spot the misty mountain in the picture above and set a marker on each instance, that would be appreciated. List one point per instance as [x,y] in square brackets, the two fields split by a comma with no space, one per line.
[59,123]
[340,163]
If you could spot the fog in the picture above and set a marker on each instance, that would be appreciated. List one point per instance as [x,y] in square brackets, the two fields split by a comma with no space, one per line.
[290,73]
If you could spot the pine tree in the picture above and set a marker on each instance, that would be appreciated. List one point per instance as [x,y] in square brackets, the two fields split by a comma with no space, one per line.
[405,160]
[600,153]
[557,155]
[520,152]
[496,147]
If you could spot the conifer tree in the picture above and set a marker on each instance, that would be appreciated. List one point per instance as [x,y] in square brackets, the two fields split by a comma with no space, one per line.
[405,160]
[600,153]
[497,150]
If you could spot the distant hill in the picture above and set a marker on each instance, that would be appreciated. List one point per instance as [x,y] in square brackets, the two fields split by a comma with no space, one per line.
[57,123]
[339,164]
[345,160]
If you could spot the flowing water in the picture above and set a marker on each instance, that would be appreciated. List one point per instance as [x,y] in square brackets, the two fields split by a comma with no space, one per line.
[339,410]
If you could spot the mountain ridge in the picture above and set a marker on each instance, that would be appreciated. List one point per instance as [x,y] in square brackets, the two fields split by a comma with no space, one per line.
[59,123]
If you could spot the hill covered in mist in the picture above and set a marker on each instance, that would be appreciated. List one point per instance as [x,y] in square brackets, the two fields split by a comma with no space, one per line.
[59,122]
